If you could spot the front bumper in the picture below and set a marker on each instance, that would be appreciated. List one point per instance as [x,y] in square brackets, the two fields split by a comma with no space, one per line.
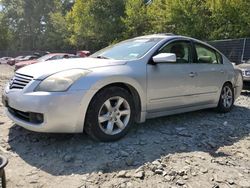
[62,112]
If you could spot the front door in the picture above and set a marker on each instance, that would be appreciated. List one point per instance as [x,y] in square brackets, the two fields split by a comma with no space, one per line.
[170,85]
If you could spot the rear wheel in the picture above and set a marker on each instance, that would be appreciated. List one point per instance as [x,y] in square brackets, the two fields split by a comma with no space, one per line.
[110,114]
[226,98]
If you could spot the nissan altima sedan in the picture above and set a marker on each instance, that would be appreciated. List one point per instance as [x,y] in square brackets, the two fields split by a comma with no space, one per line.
[134,80]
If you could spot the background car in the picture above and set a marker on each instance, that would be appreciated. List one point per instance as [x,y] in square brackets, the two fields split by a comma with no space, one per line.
[83,53]
[5,60]
[245,68]
[13,61]
[134,80]
[18,58]
[26,58]
[23,58]
[51,56]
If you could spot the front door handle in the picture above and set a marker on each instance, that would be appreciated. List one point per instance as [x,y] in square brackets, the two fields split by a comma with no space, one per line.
[192,74]
[222,71]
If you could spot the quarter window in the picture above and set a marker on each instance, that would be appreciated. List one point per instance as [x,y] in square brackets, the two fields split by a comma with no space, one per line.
[207,55]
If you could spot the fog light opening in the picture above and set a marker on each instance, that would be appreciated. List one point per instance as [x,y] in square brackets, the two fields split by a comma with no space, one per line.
[36,118]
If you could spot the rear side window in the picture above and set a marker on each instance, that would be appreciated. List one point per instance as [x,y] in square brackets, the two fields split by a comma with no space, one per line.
[207,55]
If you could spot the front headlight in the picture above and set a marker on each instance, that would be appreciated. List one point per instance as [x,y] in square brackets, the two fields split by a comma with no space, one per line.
[61,81]
[243,72]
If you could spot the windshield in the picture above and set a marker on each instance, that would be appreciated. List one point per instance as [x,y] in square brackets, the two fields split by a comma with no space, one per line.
[44,58]
[127,50]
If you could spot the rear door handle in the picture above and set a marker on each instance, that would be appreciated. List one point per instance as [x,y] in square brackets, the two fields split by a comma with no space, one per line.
[222,71]
[193,74]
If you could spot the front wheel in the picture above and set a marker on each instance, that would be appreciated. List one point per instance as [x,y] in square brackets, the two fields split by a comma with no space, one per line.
[226,98]
[110,114]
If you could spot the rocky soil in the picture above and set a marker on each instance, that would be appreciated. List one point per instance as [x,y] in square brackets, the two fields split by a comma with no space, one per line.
[198,149]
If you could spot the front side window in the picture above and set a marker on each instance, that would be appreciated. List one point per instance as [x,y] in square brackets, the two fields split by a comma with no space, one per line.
[182,50]
[207,55]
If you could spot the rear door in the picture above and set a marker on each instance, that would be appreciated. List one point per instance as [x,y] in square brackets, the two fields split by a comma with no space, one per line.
[209,69]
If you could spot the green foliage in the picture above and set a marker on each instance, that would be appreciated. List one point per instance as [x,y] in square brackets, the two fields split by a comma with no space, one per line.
[29,21]
[190,17]
[230,18]
[93,24]
[5,36]
[137,20]
[144,18]
[56,35]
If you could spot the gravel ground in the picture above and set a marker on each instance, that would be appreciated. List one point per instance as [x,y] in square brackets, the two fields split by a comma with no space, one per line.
[197,149]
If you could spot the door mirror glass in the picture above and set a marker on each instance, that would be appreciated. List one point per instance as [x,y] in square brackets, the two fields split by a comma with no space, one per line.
[165,58]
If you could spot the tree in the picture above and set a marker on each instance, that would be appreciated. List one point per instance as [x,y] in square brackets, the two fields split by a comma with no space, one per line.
[56,35]
[5,36]
[190,17]
[94,24]
[28,19]
[136,19]
[230,18]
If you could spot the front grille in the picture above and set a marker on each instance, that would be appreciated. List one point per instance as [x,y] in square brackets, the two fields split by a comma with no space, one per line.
[19,81]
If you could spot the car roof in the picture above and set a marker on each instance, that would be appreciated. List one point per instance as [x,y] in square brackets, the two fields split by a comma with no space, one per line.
[169,36]
[158,35]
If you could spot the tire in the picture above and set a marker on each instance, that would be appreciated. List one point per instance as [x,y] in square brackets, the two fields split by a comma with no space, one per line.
[110,114]
[226,98]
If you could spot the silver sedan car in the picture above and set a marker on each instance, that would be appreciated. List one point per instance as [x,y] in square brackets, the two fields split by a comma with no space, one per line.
[134,80]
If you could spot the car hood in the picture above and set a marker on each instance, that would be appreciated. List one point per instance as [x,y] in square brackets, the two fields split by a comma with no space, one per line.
[244,66]
[43,69]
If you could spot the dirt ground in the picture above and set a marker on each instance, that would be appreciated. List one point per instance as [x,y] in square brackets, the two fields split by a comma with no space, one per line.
[199,149]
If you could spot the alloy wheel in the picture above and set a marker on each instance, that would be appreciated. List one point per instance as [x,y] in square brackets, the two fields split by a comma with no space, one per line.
[114,115]
[227,97]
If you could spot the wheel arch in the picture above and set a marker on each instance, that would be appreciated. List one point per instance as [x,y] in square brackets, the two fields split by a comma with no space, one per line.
[137,97]
[97,83]
[228,82]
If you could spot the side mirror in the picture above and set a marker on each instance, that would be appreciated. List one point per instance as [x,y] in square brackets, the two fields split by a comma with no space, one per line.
[165,58]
